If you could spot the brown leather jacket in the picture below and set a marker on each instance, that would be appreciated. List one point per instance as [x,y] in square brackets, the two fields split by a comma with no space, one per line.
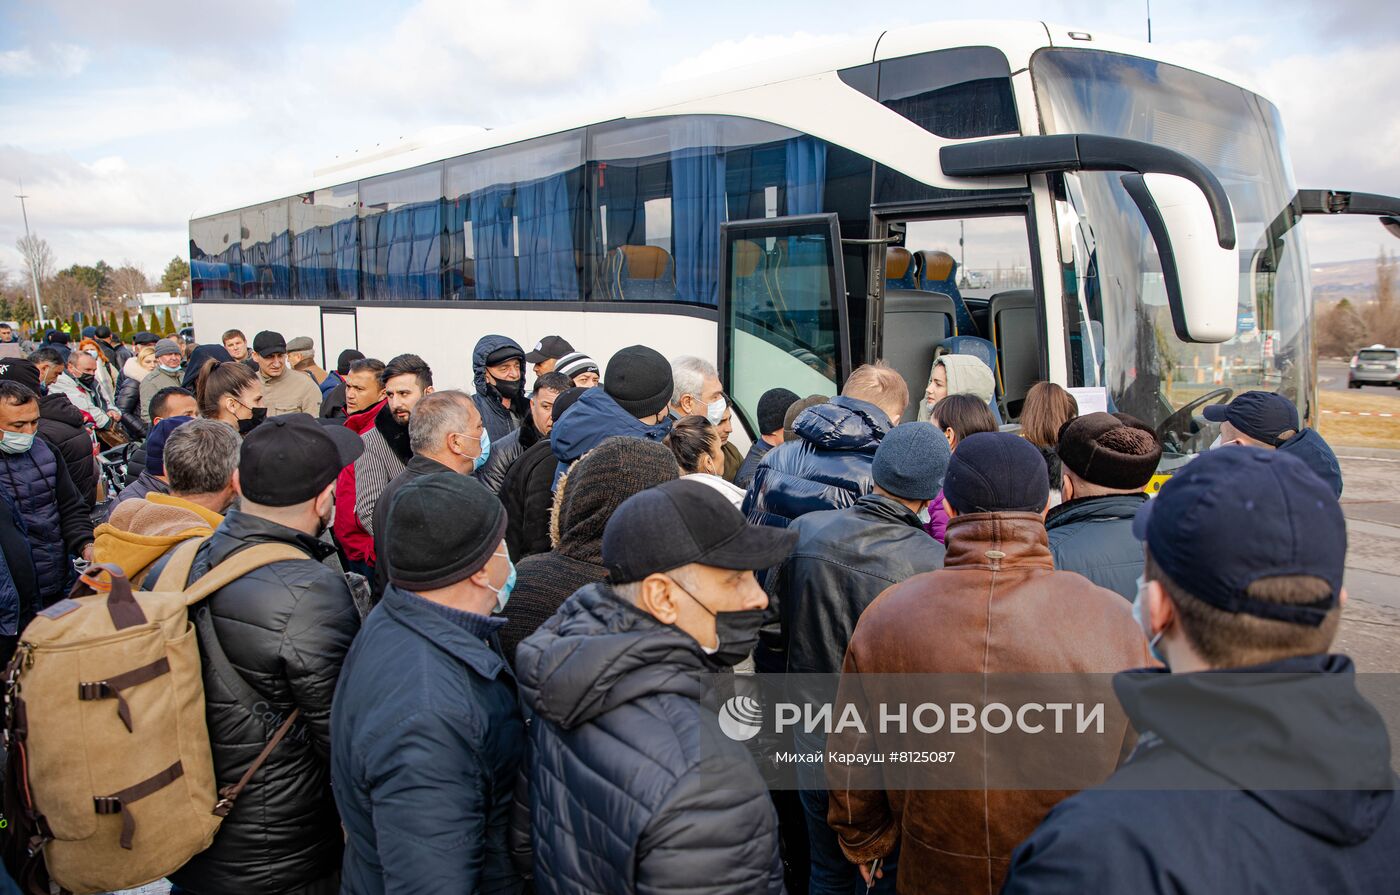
[998,607]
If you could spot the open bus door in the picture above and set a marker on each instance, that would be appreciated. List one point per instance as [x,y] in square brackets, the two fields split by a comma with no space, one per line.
[782,310]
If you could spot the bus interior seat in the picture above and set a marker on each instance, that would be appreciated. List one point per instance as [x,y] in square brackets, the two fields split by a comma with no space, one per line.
[752,291]
[916,323]
[899,269]
[1014,332]
[938,272]
[641,273]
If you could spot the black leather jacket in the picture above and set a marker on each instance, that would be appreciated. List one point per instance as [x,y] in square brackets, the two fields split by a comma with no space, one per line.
[843,560]
[286,627]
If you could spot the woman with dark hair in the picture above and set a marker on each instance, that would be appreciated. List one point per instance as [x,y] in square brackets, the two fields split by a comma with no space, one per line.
[958,416]
[1045,412]
[231,393]
[699,453]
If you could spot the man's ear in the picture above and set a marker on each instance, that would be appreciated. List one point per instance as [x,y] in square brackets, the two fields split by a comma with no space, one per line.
[656,598]
[1066,487]
[428,390]
[1160,611]
[237,483]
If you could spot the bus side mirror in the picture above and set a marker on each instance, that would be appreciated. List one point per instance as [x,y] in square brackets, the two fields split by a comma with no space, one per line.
[1201,277]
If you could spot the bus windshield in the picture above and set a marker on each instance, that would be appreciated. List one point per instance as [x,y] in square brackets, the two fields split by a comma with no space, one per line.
[1121,333]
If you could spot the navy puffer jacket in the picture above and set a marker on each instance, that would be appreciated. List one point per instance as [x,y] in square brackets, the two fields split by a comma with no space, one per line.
[633,787]
[55,516]
[827,467]
[593,418]
[494,416]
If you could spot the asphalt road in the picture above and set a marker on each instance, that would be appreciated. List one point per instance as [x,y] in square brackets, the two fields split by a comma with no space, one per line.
[1371,502]
[1332,376]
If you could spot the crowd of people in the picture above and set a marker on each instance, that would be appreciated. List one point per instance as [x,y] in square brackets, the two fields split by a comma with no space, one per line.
[507,603]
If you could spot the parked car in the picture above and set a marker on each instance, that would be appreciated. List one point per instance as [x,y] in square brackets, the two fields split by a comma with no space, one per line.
[1376,365]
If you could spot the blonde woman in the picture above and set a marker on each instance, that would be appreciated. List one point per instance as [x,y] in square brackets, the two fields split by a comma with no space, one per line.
[128,396]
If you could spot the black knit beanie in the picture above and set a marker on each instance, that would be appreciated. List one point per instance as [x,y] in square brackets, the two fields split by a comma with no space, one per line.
[1104,450]
[639,380]
[598,484]
[772,407]
[442,528]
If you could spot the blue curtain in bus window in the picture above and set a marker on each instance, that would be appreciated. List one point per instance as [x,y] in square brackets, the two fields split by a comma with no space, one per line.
[281,260]
[697,210]
[427,237]
[346,240]
[806,175]
[492,229]
[547,269]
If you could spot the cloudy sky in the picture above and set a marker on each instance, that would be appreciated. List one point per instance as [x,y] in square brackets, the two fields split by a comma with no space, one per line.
[123,118]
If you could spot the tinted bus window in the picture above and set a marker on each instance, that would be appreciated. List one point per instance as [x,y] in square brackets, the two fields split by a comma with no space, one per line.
[326,244]
[216,257]
[400,229]
[514,222]
[958,93]
[267,252]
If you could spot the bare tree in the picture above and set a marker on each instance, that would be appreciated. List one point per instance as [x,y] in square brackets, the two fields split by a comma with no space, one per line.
[128,280]
[38,258]
[1382,316]
[65,294]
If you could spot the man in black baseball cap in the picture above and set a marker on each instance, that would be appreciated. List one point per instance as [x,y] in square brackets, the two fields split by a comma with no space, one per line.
[292,622]
[615,679]
[1260,419]
[546,354]
[1255,735]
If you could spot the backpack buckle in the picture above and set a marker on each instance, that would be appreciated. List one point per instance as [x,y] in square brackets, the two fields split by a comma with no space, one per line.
[107,804]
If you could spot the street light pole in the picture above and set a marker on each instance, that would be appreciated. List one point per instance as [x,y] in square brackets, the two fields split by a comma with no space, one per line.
[33,274]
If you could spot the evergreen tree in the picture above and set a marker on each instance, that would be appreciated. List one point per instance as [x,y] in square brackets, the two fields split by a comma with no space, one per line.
[169,322]
[126,330]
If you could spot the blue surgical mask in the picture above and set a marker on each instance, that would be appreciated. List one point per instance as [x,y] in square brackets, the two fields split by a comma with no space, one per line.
[485,439]
[16,442]
[503,592]
[166,369]
[923,515]
[1139,616]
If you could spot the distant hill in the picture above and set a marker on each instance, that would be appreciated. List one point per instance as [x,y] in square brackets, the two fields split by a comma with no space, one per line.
[1336,280]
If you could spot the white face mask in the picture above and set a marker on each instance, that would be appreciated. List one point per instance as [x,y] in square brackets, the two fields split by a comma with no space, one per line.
[714,412]
[1145,624]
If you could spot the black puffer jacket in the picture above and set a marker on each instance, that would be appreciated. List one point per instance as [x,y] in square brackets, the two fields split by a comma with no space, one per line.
[63,426]
[505,452]
[528,495]
[286,628]
[843,560]
[633,787]
[825,468]
[494,416]
[128,401]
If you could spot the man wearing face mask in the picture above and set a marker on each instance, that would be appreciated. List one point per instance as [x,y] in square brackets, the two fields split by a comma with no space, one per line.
[36,490]
[661,800]
[287,626]
[446,435]
[499,365]
[1260,767]
[80,385]
[696,390]
[169,363]
[425,762]
[1270,421]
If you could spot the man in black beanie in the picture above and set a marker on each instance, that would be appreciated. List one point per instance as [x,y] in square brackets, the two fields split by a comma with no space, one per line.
[424,759]
[632,403]
[1108,460]
[997,607]
[772,409]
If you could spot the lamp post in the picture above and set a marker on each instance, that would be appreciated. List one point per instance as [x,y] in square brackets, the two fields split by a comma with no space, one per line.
[33,274]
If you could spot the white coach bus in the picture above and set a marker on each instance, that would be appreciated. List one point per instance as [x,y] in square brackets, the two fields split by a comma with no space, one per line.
[1072,207]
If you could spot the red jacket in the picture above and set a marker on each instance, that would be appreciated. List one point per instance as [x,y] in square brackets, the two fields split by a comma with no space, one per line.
[348,531]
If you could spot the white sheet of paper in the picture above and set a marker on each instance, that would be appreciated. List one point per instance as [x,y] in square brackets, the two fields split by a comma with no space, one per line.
[1091,400]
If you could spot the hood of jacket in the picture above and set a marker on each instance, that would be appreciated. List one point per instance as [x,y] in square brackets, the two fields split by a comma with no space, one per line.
[843,424]
[1299,739]
[968,375]
[485,347]
[1309,447]
[597,653]
[199,357]
[615,470]
[142,530]
[1107,506]
[132,369]
[592,418]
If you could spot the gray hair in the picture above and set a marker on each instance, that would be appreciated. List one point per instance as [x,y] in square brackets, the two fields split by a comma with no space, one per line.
[688,375]
[436,415]
[200,457]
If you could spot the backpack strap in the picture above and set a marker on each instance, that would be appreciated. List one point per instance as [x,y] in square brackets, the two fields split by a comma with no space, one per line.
[177,568]
[235,567]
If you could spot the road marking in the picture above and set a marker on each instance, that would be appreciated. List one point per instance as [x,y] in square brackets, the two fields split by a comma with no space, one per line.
[1357,413]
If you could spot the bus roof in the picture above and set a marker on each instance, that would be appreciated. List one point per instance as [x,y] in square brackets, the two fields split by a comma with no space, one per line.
[1019,40]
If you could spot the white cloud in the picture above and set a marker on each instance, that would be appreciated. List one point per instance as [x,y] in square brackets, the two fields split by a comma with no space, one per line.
[753,48]
[18,63]
[59,60]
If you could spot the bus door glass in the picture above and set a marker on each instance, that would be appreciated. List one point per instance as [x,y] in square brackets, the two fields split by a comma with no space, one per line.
[782,308]
[963,285]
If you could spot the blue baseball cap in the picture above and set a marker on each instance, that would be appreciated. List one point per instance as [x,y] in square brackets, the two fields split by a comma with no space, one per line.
[1262,416]
[1232,517]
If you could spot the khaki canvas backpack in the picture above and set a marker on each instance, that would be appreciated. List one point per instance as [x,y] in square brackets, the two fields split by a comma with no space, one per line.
[110,780]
